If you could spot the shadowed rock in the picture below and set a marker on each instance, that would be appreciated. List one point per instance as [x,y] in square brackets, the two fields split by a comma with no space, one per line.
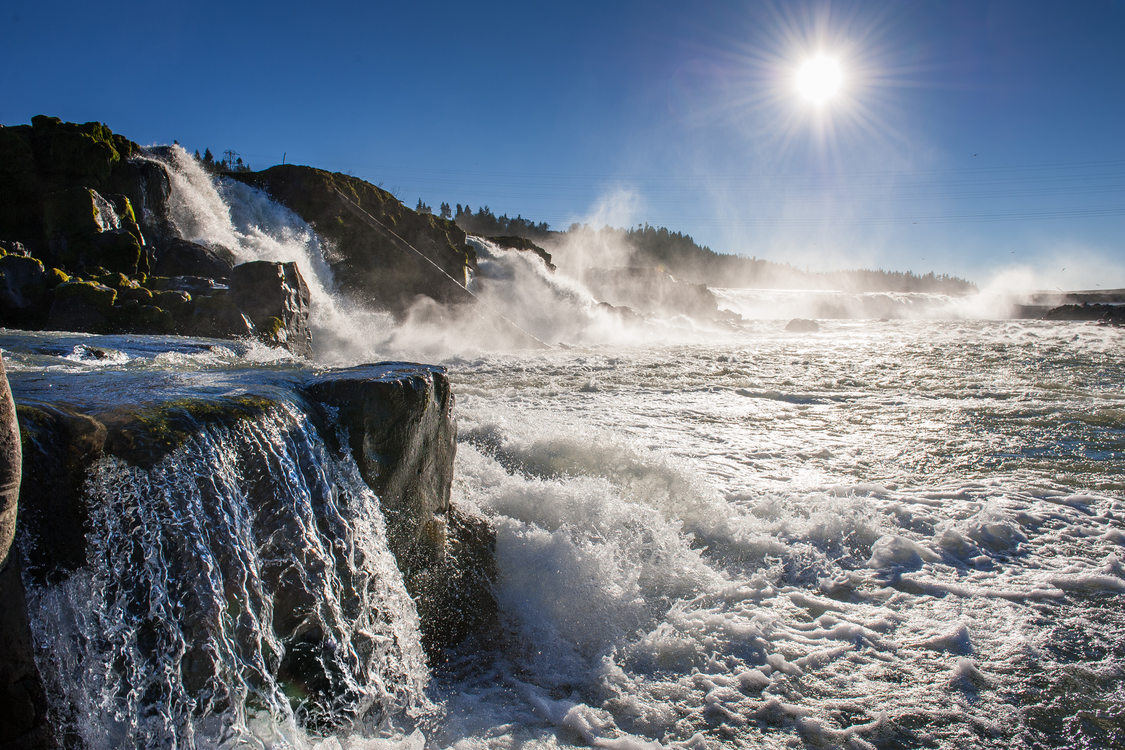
[383,253]
[23,703]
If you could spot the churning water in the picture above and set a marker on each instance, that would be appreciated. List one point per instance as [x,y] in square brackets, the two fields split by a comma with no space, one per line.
[897,533]
[889,534]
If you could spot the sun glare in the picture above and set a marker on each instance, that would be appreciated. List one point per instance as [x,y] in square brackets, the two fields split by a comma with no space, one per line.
[819,79]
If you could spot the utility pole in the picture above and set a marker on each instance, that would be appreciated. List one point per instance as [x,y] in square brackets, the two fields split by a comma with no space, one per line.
[230,154]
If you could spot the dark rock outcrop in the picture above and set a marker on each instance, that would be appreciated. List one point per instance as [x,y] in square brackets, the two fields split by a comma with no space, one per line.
[23,702]
[81,306]
[178,257]
[403,437]
[1104,313]
[382,252]
[276,299]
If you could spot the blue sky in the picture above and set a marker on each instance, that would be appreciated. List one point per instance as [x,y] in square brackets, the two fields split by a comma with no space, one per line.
[970,137]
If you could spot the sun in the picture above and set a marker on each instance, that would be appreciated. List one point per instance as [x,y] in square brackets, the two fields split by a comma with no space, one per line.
[819,79]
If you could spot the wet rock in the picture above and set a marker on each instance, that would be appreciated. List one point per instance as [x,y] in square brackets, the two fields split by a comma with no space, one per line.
[525,245]
[10,462]
[403,437]
[398,420]
[24,291]
[23,703]
[182,258]
[276,299]
[215,315]
[59,445]
[802,325]
[81,306]
[147,186]
[119,250]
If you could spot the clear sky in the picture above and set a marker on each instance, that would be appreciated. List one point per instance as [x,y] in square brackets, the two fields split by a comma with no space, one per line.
[967,137]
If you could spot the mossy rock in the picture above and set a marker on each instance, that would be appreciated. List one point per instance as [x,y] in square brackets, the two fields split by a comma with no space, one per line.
[136,316]
[67,152]
[134,293]
[82,306]
[56,276]
[143,437]
[71,213]
[119,251]
[171,299]
[362,221]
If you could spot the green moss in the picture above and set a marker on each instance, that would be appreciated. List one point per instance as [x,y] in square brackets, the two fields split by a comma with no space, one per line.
[90,293]
[55,277]
[271,327]
[144,437]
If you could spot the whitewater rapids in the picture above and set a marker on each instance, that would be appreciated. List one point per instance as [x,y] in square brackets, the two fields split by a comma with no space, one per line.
[886,534]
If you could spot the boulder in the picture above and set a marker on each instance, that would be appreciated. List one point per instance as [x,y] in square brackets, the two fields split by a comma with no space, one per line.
[802,325]
[402,435]
[81,306]
[183,258]
[120,250]
[24,291]
[214,315]
[83,229]
[23,702]
[276,299]
[10,463]
[9,247]
[193,285]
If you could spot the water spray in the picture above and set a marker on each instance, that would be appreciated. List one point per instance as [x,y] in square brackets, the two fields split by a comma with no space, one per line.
[376,224]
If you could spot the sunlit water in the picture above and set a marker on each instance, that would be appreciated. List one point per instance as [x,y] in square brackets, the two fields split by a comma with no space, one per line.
[884,534]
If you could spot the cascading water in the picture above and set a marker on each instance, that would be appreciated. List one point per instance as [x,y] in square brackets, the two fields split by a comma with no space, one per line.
[220,212]
[237,590]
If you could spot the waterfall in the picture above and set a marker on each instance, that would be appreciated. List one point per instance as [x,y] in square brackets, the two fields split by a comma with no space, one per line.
[237,593]
[216,211]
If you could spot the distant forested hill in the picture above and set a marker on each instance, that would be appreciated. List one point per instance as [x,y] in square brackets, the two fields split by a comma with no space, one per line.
[685,259]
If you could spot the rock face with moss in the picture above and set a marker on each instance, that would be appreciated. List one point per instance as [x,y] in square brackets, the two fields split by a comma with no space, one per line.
[383,252]
[86,245]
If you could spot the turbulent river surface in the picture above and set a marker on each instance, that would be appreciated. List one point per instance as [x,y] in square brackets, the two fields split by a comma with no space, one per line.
[880,534]
[884,533]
